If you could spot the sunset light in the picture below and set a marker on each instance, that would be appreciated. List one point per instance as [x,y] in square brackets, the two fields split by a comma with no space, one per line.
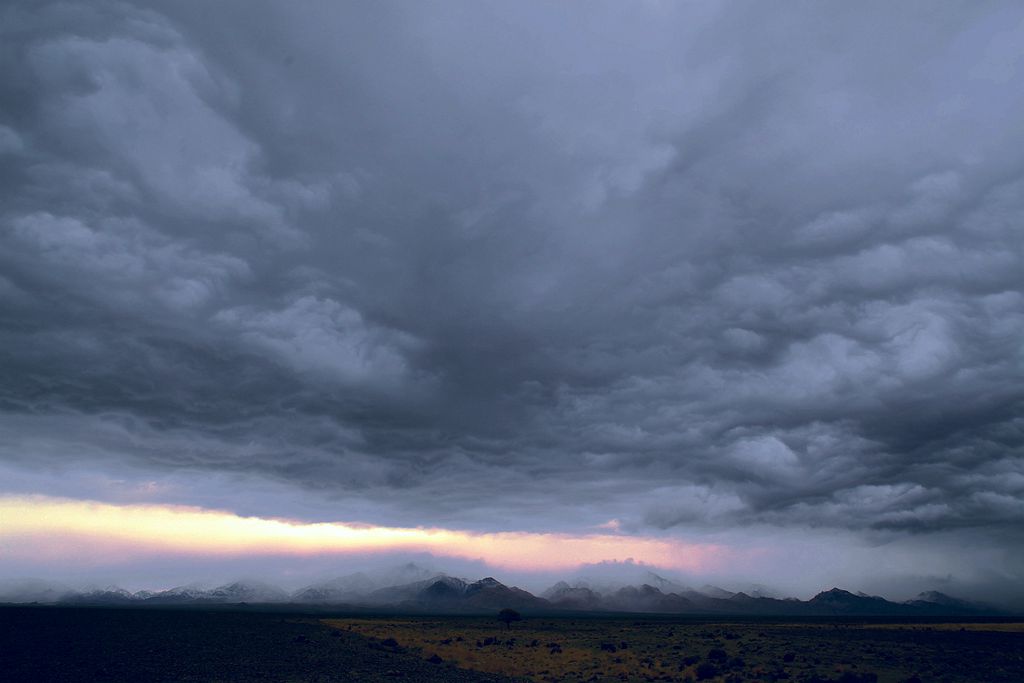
[538,313]
[56,528]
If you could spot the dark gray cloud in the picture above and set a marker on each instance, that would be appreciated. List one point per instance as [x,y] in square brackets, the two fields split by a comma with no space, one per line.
[517,265]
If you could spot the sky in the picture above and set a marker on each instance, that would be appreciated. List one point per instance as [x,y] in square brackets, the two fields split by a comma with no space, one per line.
[730,290]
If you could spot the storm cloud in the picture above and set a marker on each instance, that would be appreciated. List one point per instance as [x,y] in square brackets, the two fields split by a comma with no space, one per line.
[695,268]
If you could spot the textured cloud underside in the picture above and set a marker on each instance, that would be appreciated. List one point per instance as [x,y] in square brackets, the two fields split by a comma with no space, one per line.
[517,266]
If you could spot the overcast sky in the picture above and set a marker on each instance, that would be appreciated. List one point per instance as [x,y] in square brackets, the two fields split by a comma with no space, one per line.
[737,273]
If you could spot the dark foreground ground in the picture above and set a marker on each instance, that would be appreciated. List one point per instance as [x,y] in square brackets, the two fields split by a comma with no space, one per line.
[95,644]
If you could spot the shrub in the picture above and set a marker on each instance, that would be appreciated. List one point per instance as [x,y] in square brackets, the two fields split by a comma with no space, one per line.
[706,670]
[507,616]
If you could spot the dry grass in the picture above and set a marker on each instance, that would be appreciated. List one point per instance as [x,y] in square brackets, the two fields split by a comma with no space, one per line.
[622,649]
[543,651]
[980,627]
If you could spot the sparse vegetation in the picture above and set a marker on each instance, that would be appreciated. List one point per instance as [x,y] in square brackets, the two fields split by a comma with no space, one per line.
[77,645]
[717,655]
[603,650]
[508,615]
[706,670]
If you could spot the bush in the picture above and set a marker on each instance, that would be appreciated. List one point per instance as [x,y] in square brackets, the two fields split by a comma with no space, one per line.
[706,670]
[507,616]
[717,655]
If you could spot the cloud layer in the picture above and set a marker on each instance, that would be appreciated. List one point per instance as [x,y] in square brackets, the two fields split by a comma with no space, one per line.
[520,266]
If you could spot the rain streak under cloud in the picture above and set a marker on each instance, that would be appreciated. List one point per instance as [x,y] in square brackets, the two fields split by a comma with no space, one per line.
[719,275]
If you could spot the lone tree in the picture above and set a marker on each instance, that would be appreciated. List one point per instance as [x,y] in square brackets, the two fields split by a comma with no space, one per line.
[508,616]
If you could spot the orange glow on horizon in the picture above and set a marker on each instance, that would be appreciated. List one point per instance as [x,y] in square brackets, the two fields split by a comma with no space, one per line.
[55,528]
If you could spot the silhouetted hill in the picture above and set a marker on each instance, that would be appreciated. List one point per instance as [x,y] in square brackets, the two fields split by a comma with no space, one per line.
[647,598]
[448,594]
[842,602]
[940,603]
[491,594]
[573,597]
[451,594]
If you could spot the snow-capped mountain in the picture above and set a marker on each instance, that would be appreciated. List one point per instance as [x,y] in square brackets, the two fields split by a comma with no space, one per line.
[442,593]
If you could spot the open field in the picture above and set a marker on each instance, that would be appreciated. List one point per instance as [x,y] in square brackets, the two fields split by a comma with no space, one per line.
[638,649]
[104,644]
[75,645]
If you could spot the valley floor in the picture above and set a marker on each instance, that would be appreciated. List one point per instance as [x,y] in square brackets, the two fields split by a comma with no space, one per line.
[83,644]
[667,649]
[245,644]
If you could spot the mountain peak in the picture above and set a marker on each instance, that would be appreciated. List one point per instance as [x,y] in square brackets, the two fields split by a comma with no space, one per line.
[451,594]
[935,598]
[442,588]
[716,592]
[488,581]
[559,587]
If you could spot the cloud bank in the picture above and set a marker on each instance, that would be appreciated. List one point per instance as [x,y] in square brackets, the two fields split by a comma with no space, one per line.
[711,272]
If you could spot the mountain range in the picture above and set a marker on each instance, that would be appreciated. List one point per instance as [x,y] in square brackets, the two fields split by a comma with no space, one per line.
[411,588]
